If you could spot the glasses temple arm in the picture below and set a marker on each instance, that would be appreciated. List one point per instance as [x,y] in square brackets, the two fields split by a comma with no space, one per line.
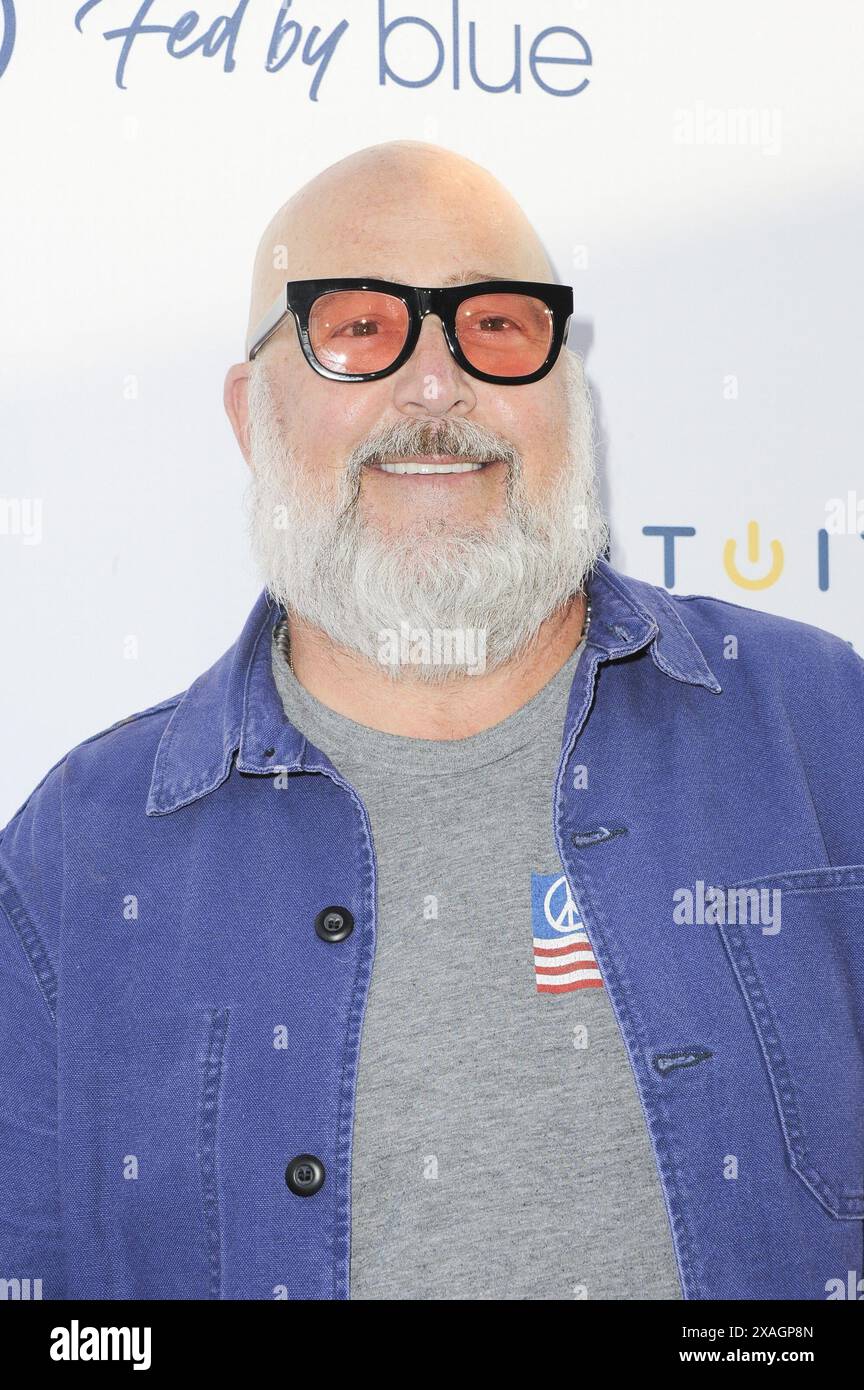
[267,327]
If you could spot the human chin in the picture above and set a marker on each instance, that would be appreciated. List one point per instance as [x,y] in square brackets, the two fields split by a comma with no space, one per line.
[394,506]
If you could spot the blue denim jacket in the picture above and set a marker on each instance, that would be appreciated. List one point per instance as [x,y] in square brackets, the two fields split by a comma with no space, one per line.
[175,1031]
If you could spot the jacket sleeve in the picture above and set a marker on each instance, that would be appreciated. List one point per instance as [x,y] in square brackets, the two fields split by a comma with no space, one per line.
[31,1225]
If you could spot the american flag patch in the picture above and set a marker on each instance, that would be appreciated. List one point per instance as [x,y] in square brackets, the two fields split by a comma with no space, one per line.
[563,959]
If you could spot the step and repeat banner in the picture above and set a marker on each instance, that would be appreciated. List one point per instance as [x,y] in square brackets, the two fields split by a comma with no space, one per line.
[696,172]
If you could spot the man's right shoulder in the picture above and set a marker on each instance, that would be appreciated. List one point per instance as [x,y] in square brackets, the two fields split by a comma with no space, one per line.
[113,751]
[101,780]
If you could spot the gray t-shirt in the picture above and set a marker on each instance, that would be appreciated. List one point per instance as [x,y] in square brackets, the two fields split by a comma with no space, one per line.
[499,1150]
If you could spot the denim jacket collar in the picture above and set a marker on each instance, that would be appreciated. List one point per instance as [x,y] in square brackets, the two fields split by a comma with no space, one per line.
[234,707]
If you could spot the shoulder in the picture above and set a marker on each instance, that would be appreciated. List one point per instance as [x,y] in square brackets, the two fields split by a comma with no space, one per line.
[104,777]
[119,746]
[766,643]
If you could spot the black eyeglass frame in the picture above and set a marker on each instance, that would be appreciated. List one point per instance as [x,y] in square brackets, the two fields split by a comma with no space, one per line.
[298,296]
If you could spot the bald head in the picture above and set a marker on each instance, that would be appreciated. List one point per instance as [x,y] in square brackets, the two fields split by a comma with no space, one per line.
[405,211]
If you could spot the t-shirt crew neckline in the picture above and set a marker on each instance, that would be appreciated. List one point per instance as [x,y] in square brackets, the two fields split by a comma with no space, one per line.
[343,739]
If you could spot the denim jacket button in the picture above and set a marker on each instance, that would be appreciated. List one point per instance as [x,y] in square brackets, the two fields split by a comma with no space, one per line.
[334,923]
[305,1175]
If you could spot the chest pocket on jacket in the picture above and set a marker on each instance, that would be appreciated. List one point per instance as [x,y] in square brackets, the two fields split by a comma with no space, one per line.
[804,988]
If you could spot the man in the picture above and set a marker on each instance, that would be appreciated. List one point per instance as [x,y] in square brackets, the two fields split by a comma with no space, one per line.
[485,923]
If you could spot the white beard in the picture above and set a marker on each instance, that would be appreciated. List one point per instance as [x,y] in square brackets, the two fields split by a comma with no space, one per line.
[497,582]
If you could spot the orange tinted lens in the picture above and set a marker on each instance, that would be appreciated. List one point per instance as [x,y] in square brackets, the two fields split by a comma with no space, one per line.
[357,330]
[505,334]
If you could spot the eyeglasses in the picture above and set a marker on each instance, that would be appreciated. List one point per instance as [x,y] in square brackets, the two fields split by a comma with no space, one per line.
[505,331]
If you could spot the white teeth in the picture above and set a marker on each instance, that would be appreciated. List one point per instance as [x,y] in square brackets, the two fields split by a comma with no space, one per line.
[408,466]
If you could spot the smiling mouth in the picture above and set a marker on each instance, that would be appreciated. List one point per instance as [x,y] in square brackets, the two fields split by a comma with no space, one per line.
[432,465]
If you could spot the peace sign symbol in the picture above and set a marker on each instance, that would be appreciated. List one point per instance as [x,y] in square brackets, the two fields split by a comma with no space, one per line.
[567,919]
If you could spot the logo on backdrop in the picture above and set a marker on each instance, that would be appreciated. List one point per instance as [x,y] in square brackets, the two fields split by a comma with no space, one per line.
[563,958]
[753,561]
[411,50]
[7,34]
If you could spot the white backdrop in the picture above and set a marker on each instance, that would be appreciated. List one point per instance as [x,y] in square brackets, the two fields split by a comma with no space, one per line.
[702,191]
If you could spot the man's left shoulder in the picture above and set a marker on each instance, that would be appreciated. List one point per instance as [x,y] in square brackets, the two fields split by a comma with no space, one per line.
[768,644]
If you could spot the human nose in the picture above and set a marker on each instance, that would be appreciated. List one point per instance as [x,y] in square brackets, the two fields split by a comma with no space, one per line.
[431,381]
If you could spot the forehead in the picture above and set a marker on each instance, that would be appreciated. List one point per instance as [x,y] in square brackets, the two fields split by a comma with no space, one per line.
[440,256]
[414,232]
[460,276]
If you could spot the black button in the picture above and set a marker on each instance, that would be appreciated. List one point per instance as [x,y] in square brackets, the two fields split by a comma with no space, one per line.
[305,1175]
[334,923]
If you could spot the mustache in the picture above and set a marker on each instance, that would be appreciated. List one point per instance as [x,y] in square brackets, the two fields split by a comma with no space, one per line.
[463,439]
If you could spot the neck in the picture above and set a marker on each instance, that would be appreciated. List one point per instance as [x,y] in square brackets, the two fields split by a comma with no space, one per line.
[360,690]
